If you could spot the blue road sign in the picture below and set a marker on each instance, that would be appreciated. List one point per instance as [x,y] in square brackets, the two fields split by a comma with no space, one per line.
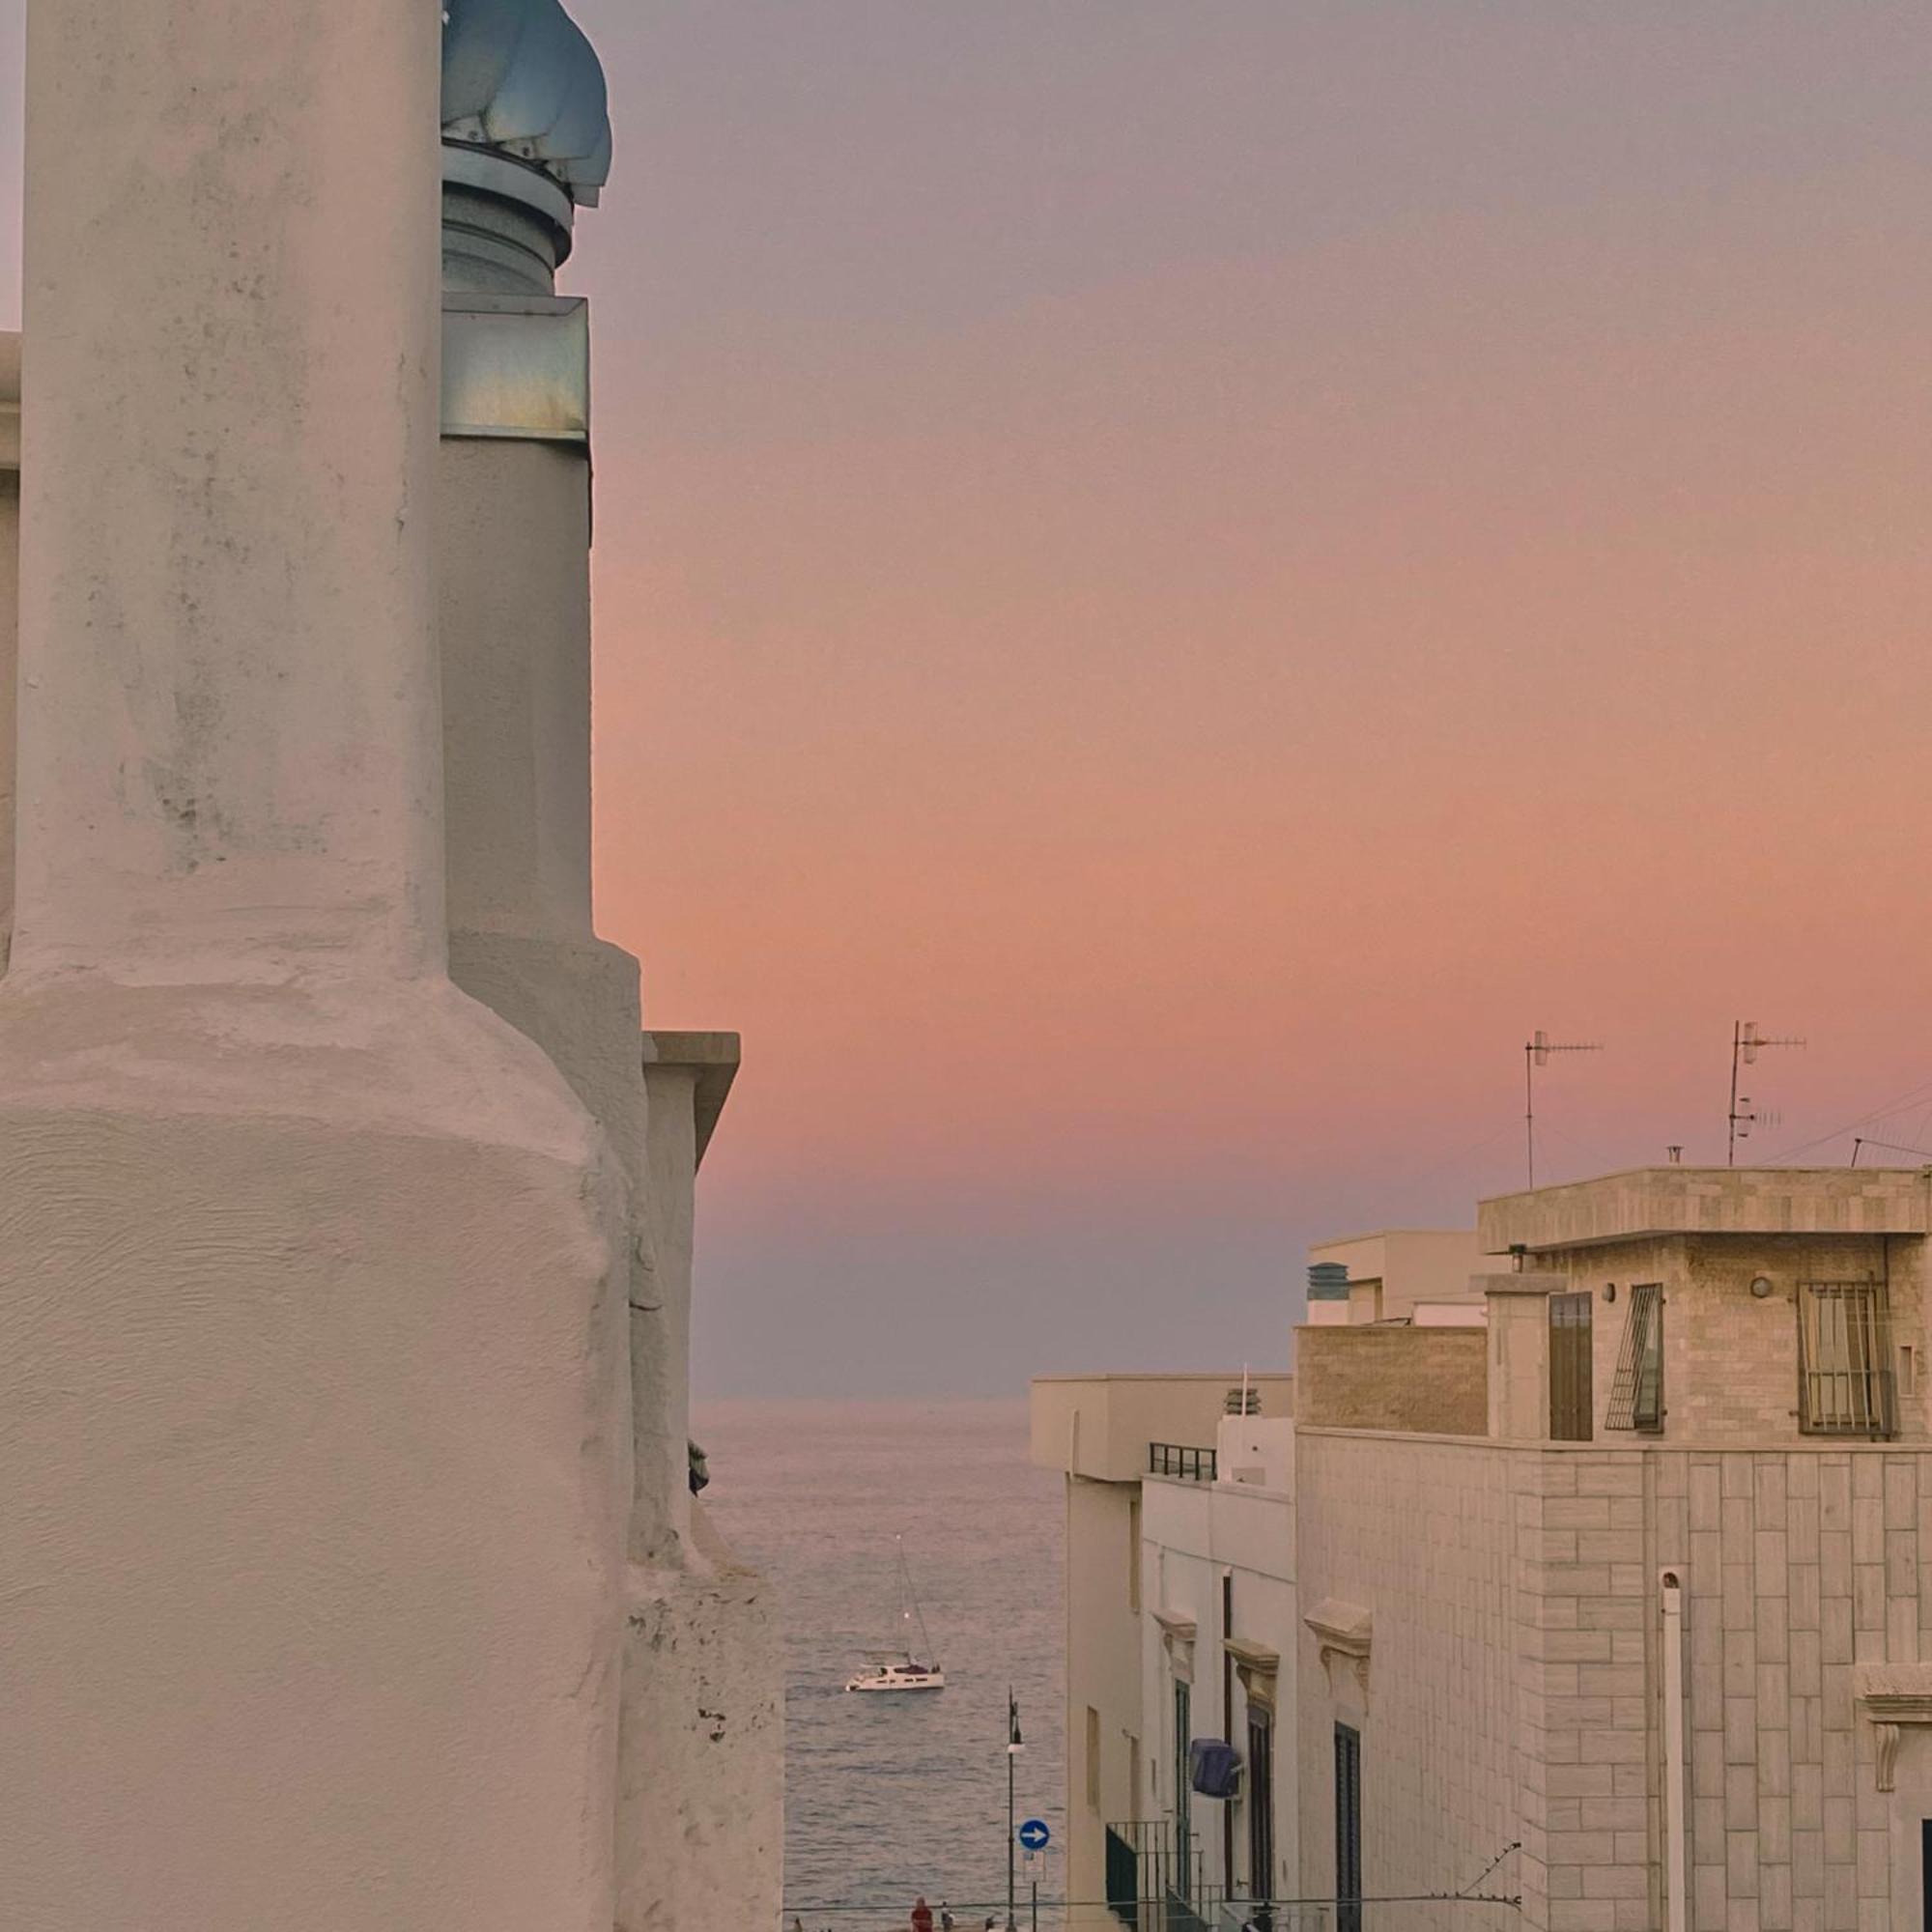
[1034,1834]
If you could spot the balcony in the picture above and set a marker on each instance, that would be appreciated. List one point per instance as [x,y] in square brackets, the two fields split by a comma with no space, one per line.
[1153,1876]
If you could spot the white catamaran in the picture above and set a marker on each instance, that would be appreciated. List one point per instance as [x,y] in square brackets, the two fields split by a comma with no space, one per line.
[913,1667]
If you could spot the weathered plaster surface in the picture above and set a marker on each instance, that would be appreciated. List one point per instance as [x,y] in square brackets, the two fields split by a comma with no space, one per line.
[312,1485]
[231,763]
[311,1347]
[698,1838]
[702,1690]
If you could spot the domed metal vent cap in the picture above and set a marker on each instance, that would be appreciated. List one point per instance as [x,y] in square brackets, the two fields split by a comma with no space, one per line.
[520,77]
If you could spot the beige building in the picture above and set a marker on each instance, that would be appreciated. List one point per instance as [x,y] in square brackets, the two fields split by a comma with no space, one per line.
[1617,1609]
[1106,1434]
[1420,1275]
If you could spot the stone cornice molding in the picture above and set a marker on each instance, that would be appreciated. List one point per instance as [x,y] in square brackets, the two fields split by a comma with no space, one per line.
[1895,1695]
[1346,1631]
[1258,1669]
[1177,1635]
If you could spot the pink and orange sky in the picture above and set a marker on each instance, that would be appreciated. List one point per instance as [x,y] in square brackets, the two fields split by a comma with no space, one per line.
[1175,577]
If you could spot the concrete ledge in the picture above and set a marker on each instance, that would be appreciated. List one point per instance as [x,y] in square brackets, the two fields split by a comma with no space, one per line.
[1537,1283]
[713,1057]
[1712,1452]
[1651,1200]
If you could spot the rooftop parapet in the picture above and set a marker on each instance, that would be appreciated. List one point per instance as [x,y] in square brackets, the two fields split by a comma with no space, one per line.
[1645,1201]
[1103,1427]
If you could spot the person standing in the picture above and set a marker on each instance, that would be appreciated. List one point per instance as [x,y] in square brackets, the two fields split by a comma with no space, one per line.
[921,1915]
[946,1921]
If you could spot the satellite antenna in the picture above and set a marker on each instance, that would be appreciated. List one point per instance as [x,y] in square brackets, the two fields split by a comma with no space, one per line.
[1747,1043]
[1536,1053]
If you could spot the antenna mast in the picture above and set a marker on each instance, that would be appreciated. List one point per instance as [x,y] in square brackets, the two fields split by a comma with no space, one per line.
[1745,1042]
[1536,1053]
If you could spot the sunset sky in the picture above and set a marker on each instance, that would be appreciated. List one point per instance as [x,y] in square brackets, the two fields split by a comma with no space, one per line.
[1175,578]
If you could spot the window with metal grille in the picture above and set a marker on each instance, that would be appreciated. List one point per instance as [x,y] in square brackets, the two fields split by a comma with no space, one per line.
[1844,1359]
[1571,1399]
[1636,1396]
[1347,1829]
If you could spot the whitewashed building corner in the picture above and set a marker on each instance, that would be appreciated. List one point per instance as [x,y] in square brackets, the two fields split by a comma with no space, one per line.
[355,1576]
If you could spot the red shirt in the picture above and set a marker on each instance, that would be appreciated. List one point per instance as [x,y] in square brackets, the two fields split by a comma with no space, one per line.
[922,1918]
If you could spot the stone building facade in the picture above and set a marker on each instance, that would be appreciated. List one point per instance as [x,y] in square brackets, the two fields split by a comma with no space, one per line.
[1624,1617]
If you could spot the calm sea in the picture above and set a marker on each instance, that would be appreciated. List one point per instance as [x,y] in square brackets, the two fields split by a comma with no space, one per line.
[890,1797]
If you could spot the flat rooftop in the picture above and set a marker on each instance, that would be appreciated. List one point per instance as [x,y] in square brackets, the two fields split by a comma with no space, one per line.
[1651,1200]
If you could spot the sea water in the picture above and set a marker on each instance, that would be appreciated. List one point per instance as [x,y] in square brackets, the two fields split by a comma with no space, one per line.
[890,1796]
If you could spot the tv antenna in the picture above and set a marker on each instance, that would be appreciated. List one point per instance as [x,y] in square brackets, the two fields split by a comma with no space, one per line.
[1536,1053]
[1891,1147]
[1747,1043]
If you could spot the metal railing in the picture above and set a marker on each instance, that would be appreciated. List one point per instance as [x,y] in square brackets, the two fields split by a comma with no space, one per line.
[1155,1875]
[1844,1361]
[1414,1911]
[1179,1458]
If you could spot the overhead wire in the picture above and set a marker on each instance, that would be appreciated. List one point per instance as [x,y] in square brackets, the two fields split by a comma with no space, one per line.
[1879,1113]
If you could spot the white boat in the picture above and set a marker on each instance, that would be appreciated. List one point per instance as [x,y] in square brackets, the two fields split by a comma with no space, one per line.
[913,1667]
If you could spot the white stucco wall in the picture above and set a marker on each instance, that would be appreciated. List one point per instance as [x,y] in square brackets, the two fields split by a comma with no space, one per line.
[1103,1673]
[1194,1535]
[698,1830]
[230,432]
[312,1391]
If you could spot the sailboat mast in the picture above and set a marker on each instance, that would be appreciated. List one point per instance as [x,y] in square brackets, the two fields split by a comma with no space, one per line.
[910,1607]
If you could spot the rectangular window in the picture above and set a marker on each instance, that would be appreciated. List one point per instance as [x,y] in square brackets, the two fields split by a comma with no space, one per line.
[1183,1793]
[1570,1397]
[1636,1396]
[1227,1721]
[1844,1359]
[1092,1758]
[1134,1552]
[1259,1796]
[1347,1829]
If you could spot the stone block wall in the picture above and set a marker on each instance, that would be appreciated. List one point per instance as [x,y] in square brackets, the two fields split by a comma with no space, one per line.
[1430,1379]
[1515,1682]
[1801,1565]
[1423,1533]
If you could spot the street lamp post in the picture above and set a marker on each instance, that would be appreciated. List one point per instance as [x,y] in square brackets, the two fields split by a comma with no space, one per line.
[1015,1743]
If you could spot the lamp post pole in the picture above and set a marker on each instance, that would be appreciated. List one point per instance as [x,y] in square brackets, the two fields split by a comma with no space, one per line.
[1014,1746]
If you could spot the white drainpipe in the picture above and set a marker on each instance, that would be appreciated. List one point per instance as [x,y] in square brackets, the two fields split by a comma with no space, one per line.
[1676,1904]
